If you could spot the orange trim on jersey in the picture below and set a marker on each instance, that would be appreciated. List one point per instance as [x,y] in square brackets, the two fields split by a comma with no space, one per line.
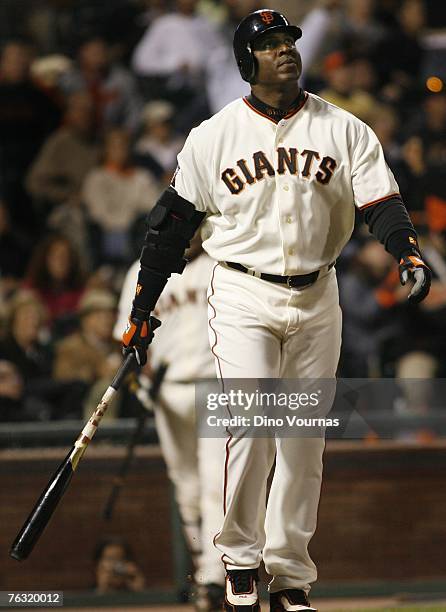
[387,197]
[296,110]
[290,114]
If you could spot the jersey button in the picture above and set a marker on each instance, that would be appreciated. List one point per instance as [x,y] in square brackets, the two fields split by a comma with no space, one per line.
[280,140]
[291,251]
[286,188]
[289,219]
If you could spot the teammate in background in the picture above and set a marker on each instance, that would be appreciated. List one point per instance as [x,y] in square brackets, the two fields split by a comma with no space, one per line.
[194,463]
[277,175]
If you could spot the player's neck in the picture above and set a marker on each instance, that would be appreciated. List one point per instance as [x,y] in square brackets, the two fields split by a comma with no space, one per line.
[276,97]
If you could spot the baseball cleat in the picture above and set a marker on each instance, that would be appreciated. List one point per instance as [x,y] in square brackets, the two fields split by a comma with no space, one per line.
[290,600]
[241,591]
[208,597]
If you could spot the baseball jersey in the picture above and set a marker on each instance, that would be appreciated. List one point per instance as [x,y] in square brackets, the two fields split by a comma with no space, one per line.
[280,196]
[182,340]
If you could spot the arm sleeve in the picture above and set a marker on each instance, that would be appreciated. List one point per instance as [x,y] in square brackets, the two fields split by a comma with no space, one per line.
[372,179]
[376,193]
[390,223]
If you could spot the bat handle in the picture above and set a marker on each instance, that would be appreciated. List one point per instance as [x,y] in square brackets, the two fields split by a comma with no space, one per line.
[127,366]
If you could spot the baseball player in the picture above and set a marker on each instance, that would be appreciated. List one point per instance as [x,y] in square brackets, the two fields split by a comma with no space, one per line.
[275,177]
[193,462]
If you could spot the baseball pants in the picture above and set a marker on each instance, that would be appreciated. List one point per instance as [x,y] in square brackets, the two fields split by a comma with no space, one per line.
[194,468]
[259,329]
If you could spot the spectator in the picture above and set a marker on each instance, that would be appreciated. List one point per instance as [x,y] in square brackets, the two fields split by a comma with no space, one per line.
[422,349]
[115,194]
[25,348]
[374,344]
[371,282]
[194,37]
[385,123]
[47,71]
[27,116]
[364,74]
[116,569]
[112,87]
[318,23]
[11,393]
[175,49]
[58,171]
[90,354]
[430,126]
[159,145]
[360,32]
[340,90]
[411,170]
[223,81]
[56,274]
[425,156]
[14,253]
[399,56]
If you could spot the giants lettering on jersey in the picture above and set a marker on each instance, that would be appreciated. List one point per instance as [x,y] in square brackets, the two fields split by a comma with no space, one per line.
[307,163]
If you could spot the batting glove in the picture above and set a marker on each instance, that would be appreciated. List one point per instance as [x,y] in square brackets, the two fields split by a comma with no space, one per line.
[413,268]
[139,334]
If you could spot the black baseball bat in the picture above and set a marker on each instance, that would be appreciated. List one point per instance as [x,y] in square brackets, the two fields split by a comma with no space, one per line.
[43,510]
[152,394]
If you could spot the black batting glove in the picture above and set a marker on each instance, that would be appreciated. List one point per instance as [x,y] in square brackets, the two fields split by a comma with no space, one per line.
[139,334]
[412,268]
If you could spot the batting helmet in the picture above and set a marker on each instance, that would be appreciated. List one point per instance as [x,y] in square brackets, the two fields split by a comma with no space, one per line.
[252,26]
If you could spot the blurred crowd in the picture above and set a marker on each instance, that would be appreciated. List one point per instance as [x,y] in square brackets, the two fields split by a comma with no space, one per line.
[96,100]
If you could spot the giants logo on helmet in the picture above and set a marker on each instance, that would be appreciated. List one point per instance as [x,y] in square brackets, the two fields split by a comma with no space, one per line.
[267,17]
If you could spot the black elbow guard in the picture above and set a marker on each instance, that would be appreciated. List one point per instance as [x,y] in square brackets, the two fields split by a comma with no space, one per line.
[171,224]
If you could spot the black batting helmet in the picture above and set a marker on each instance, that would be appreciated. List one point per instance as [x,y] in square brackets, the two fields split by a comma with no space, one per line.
[252,26]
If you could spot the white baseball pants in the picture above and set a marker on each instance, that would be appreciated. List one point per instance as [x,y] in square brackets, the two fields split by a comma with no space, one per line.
[194,466]
[259,329]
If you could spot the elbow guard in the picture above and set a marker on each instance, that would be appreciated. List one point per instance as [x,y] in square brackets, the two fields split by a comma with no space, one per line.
[171,224]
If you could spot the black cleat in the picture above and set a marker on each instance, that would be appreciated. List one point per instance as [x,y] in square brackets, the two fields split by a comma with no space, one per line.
[241,591]
[290,600]
[208,597]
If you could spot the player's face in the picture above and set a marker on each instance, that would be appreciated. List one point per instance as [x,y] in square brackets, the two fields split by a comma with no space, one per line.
[277,58]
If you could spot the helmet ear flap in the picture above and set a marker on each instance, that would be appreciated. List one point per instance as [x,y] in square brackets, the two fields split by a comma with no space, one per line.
[248,64]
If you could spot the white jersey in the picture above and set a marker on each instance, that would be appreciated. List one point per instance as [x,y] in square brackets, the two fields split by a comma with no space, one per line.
[280,196]
[182,340]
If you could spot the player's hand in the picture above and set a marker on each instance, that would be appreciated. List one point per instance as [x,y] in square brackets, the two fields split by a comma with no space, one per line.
[139,334]
[413,268]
